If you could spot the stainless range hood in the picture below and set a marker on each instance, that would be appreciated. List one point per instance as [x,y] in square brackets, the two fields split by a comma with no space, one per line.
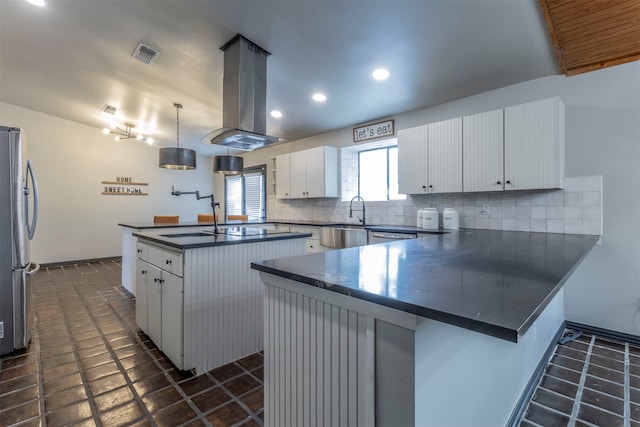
[244,97]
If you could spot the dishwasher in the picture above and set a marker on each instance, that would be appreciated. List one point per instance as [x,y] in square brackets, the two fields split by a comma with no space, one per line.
[381,237]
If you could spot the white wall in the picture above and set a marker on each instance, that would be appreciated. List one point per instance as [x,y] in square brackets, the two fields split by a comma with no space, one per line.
[76,221]
[602,138]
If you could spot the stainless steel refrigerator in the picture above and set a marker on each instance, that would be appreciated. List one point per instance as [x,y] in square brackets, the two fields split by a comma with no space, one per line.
[18,217]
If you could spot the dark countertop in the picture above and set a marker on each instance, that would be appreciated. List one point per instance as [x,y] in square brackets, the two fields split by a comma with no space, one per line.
[182,239]
[302,223]
[493,282]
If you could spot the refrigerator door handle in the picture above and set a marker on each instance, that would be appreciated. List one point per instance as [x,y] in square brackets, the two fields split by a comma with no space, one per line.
[31,228]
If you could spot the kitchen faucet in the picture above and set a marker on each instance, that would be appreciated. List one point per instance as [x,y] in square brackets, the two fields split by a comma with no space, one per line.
[198,196]
[363,220]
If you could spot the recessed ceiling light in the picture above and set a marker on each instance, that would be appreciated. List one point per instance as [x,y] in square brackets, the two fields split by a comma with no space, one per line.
[319,97]
[277,114]
[36,2]
[380,74]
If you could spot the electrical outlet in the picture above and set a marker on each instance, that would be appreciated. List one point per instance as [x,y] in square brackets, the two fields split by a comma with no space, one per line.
[1,329]
[485,210]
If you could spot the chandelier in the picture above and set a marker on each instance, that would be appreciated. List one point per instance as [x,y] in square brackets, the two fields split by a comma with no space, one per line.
[127,133]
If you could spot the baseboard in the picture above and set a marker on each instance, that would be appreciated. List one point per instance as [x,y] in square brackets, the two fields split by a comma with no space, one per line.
[604,333]
[80,261]
[528,391]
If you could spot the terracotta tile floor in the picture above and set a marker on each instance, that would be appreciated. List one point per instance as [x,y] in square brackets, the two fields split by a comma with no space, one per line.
[89,365]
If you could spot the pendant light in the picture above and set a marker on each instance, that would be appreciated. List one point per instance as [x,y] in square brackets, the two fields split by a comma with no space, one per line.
[176,157]
[228,165]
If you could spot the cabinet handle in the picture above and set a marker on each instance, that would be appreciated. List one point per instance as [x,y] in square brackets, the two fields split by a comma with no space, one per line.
[139,251]
[168,262]
[144,272]
[499,183]
[508,182]
[155,280]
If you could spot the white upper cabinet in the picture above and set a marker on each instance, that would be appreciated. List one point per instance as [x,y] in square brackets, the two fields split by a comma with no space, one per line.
[445,156]
[430,158]
[534,145]
[483,151]
[312,173]
[413,165]
[283,177]
[516,148]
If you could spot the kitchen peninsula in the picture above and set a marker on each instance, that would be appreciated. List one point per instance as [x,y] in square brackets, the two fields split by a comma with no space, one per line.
[196,295]
[441,330]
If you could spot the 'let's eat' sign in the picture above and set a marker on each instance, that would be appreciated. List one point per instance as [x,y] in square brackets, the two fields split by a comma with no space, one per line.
[373,131]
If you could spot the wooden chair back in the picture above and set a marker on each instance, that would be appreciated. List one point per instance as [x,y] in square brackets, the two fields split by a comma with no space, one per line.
[166,219]
[206,217]
[237,217]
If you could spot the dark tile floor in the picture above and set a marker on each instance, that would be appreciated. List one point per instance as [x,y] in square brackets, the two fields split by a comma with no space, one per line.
[89,365]
[591,381]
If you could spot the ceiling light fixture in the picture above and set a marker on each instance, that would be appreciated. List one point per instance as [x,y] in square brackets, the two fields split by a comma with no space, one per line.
[380,74]
[319,97]
[129,132]
[228,165]
[36,2]
[276,114]
[176,157]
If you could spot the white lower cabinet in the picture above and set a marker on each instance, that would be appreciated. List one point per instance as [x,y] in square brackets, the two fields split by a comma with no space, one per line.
[159,299]
[313,242]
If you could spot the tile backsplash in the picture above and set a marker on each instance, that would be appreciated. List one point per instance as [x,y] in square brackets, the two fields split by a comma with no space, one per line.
[577,209]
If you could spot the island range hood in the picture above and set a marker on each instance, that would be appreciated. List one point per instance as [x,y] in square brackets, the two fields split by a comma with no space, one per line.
[244,97]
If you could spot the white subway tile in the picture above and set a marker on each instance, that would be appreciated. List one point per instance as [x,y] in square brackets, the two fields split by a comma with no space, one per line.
[573,227]
[555,198]
[591,198]
[573,213]
[592,227]
[523,212]
[508,212]
[591,213]
[482,222]
[592,183]
[539,199]
[573,184]
[495,224]
[509,224]
[495,212]
[538,212]
[572,198]
[523,224]
[555,226]
[539,225]
[555,212]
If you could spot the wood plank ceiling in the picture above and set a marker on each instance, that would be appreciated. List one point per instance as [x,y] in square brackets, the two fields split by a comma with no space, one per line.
[588,35]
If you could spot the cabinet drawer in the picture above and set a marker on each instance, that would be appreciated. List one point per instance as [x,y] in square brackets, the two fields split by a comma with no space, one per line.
[313,246]
[172,262]
[141,250]
[154,256]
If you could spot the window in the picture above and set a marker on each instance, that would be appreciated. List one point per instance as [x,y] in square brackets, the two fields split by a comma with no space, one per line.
[246,194]
[378,174]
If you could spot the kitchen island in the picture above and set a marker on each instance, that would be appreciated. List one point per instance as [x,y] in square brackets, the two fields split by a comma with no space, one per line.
[448,329]
[196,295]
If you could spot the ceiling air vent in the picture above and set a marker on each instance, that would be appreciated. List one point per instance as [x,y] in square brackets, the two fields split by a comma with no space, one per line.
[144,53]
[109,109]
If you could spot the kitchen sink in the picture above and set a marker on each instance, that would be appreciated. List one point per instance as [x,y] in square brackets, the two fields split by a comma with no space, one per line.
[344,236]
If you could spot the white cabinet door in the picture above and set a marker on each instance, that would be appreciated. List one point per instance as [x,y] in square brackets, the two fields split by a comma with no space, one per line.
[483,151]
[445,156]
[298,174]
[315,158]
[534,145]
[172,262]
[142,274]
[172,318]
[413,160]
[154,305]
[283,177]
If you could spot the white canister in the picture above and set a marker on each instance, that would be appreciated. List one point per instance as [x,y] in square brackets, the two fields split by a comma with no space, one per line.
[419,218]
[450,219]
[430,219]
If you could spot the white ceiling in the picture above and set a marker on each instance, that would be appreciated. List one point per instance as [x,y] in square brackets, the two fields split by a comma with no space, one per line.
[71,57]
